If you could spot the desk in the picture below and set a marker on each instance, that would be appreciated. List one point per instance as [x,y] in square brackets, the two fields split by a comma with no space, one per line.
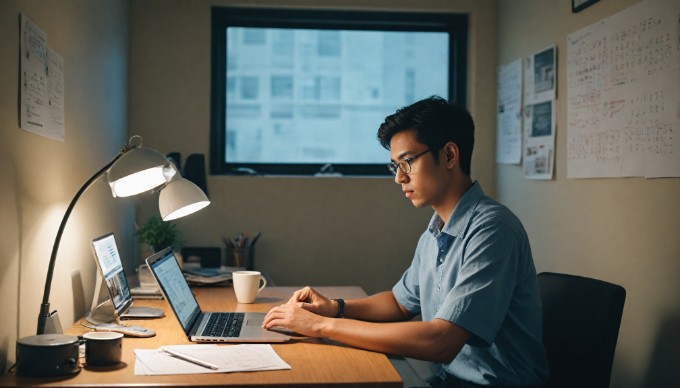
[314,362]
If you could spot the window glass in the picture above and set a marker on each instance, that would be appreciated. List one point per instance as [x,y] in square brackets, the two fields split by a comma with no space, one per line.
[294,99]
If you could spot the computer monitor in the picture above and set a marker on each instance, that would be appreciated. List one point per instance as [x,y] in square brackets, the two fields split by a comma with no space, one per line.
[118,304]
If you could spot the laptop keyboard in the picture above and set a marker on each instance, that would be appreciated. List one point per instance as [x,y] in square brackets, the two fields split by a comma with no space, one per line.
[224,325]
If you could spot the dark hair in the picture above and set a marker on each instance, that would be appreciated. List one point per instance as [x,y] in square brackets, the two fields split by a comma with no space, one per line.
[436,123]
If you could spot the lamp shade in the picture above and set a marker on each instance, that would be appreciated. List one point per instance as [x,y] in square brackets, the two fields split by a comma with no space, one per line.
[179,198]
[137,171]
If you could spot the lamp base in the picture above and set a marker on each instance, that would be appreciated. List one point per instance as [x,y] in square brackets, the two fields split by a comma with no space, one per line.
[48,355]
[50,323]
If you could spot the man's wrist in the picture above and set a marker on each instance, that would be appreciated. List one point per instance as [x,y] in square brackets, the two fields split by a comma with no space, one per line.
[341,308]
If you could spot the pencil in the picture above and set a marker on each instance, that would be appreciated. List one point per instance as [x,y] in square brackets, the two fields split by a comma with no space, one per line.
[189,358]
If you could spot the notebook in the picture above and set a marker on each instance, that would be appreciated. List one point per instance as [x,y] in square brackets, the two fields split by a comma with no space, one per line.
[113,279]
[202,326]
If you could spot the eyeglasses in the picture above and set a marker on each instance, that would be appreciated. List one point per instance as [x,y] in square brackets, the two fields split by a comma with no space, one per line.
[405,165]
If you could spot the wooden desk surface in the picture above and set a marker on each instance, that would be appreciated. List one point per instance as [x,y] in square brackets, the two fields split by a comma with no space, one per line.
[314,362]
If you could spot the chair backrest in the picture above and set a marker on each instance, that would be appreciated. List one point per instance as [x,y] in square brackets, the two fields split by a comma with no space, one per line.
[581,320]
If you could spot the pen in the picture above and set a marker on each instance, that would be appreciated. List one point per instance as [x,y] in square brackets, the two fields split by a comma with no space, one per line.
[189,358]
[257,235]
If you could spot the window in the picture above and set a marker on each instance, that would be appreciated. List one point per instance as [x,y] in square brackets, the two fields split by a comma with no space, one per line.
[295,91]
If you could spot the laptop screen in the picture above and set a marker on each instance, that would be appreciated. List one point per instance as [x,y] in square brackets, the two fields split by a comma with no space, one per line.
[111,268]
[176,289]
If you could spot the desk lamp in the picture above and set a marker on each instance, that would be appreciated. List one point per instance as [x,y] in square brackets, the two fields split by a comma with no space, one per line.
[133,171]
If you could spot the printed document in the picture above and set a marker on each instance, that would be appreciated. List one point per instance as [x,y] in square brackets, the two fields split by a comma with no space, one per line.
[227,358]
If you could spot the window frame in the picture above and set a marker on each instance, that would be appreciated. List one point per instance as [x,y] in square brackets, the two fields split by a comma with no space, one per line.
[456,24]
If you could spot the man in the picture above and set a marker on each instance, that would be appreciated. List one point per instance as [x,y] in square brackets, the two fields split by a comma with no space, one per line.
[472,278]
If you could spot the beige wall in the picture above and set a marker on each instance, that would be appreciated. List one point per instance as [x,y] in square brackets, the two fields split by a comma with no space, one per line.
[314,231]
[40,176]
[621,230]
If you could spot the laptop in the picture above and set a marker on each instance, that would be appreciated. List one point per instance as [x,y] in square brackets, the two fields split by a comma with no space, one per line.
[202,326]
[117,301]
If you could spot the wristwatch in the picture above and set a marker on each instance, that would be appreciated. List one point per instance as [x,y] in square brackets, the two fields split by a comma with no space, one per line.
[341,308]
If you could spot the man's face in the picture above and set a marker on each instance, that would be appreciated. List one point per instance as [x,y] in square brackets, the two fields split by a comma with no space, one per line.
[424,185]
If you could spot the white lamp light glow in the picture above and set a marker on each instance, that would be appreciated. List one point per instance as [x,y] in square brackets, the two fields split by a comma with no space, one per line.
[137,171]
[138,183]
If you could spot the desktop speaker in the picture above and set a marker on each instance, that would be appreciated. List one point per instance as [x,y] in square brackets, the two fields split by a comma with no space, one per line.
[47,355]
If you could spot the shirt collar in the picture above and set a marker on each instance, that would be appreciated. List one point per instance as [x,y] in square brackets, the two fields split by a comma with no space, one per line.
[460,215]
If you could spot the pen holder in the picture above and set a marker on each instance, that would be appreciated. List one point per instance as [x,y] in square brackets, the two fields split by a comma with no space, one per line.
[241,257]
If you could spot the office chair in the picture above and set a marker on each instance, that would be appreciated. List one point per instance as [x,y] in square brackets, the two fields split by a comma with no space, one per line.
[581,320]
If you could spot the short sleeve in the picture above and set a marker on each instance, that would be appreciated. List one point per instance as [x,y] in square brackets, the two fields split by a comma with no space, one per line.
[481,296]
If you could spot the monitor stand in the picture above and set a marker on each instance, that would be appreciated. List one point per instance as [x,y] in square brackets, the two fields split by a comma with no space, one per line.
[103,311]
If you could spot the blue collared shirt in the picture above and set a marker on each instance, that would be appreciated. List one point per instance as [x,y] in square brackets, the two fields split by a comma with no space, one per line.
[477,271]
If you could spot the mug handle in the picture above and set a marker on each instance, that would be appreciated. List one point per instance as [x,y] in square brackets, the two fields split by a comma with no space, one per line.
[264,284]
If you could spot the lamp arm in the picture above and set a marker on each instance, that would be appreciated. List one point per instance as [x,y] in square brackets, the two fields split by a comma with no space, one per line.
[45,306]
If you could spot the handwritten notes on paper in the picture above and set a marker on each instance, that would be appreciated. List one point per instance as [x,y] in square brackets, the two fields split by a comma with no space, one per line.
[42,84]
[525,113]
[509,113]
[623,77]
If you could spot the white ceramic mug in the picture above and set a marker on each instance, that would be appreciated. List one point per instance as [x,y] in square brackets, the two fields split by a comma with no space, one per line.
[103,348]
[247,285]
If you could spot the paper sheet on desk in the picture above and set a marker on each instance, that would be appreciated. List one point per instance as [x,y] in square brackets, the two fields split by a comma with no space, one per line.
[228,358]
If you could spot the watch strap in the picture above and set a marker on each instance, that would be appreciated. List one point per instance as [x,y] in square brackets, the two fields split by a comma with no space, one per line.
[341,308]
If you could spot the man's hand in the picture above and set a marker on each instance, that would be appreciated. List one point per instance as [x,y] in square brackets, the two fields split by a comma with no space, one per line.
[378,323]
[310,300]
[294,318]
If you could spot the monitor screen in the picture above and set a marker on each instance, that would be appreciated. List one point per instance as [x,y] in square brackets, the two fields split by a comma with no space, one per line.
[169,275]
[111,269]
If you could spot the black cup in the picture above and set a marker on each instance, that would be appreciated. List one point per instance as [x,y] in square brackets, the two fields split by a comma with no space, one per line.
[103,348]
